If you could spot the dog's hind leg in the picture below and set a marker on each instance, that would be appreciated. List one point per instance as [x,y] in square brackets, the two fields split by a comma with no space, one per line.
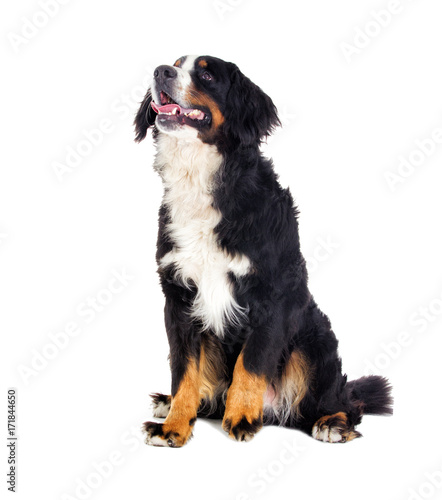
[161,404]
[285,394]
[209,407]
[201,383]
[334,428]
[213,383]
[367,395]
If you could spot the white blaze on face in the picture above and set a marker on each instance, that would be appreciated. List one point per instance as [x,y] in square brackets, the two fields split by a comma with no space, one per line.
[189,63]
[181,93]
[182,82]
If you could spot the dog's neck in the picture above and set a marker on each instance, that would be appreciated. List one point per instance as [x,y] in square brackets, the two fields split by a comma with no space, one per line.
[188,170]
[186,163]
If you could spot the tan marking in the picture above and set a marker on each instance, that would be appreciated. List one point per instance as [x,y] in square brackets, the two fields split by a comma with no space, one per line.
[177,63]
[202,381]
[184,405]
[340,415]
[245,397]
[196,98]
[295,380]
[212,369]
[202,63]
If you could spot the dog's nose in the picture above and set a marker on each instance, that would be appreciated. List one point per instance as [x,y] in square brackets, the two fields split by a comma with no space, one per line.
[164,72]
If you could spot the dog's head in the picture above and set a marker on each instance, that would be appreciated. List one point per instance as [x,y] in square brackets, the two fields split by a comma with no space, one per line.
[207,98]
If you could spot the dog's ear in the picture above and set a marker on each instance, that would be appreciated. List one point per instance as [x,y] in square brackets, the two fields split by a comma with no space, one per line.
[250,114]
[145,117]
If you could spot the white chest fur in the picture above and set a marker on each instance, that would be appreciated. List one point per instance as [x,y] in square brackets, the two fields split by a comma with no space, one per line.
[187,169]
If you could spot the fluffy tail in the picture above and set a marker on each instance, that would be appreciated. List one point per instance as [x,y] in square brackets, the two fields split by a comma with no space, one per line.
[372,394]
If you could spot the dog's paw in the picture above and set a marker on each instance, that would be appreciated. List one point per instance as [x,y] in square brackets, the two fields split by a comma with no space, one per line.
[161,405]
[155,436]
[164,434]
[243,428]
[334,429]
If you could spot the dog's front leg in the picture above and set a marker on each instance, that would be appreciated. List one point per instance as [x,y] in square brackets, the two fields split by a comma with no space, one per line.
[254,368]
[244,404]
[185,348]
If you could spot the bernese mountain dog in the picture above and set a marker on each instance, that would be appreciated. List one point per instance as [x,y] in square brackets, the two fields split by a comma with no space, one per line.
[248,344]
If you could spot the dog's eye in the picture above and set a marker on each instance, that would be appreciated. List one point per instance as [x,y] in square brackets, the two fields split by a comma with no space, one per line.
[206,76]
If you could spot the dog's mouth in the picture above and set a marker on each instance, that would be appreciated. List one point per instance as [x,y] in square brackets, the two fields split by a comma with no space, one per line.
[170,110]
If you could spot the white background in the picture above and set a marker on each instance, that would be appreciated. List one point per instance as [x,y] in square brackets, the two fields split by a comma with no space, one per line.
[347,121]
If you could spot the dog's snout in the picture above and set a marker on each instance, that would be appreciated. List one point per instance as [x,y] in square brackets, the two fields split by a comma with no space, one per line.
[164,72]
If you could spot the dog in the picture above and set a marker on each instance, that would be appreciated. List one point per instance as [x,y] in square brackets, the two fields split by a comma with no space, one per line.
[248,344]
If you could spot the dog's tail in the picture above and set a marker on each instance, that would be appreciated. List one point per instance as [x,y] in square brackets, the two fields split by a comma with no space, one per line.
[372,394]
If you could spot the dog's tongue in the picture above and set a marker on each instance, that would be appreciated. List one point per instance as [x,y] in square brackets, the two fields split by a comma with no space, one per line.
[167,108]
[176,109]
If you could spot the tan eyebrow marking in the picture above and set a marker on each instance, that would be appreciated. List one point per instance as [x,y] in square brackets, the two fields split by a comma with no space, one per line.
[202,63]
[177,62]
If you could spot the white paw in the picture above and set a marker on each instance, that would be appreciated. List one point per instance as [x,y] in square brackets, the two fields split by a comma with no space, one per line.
[327,434]
[160,405]
[334,429]
[161,410]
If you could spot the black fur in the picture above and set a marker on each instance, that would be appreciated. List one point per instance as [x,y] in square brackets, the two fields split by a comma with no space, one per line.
[373,392]
[250,114]
[259,220]
[145,117]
